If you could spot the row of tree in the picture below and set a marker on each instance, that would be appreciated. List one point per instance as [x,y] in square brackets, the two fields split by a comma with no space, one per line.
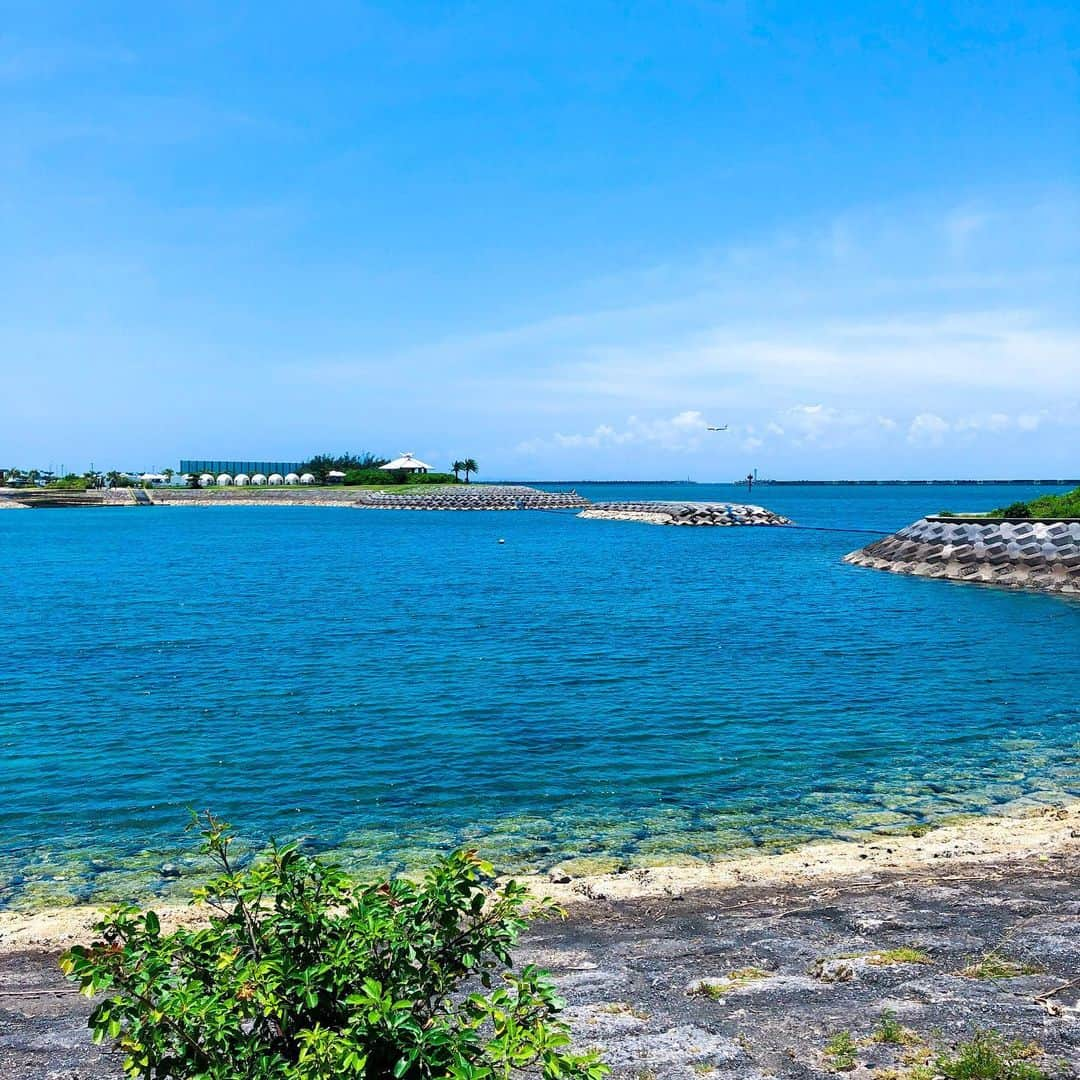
[322,465]
[83,481]
[467,466]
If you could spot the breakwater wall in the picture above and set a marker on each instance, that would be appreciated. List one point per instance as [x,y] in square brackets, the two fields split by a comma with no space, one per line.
[494,497]
[1043,555]
[684,513]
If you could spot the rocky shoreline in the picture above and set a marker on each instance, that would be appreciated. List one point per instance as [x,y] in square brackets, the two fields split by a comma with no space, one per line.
[1018,554]
[751,972]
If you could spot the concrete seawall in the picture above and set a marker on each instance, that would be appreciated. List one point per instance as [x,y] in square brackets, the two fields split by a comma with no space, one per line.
[1043,555]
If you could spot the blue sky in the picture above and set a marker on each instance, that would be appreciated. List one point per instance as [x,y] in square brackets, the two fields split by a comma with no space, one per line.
[559,238]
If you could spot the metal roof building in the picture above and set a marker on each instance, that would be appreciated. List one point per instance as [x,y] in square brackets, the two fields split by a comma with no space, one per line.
[198,466]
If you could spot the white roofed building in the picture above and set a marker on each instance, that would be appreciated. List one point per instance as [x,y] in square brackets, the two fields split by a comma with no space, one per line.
[408,463]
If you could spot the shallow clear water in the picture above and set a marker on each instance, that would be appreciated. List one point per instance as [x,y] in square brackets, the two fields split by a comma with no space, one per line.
[393,683]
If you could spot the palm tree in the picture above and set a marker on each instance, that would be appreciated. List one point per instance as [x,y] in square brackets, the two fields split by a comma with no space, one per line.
[469,466]
[168,474]
[456,468]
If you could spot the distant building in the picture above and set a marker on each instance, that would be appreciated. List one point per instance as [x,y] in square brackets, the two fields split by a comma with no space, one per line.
[236,468]
[408,463]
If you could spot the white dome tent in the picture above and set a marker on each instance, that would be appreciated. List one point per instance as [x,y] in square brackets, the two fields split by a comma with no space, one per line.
[307,478]
[275,478]
[259,480]
[292,478]
[224,479]
[241,479]
[206,480]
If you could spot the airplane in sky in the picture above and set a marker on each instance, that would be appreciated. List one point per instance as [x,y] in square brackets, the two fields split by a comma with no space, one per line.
[711,428]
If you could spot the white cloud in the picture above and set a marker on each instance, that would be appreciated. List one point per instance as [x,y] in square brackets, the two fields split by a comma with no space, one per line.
[680,432]
[928,429]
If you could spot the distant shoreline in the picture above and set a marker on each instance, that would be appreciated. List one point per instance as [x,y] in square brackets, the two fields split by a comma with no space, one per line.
[813,483]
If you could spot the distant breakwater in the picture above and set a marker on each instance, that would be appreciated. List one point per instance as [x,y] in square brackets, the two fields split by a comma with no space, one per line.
[493,497]
[1042,555]
[464,497]
[684,513]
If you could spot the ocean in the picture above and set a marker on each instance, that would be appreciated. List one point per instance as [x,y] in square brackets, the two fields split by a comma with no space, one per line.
[592,694]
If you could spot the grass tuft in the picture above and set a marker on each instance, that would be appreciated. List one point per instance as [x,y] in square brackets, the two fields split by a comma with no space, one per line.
[891,1032]
[988,1056]
[993,966]
[733,980]
[621,1008]
[904,955]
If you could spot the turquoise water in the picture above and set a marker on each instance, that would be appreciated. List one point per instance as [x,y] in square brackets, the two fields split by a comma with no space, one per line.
[390,684]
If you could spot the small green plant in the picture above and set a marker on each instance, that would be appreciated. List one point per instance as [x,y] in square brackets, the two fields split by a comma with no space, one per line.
[903,955]
[919,830]
[988,1056]
[891,1032]
[840,1051]
[301,974]
[745,975]
[993,966]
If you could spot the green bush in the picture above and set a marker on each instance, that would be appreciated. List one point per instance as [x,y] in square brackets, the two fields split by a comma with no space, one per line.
[433,478]
[71,482]
[356,477]
[1045,506]
[302,975]
[1016,510]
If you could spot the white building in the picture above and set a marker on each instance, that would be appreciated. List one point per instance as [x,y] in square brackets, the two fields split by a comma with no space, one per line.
[408,463]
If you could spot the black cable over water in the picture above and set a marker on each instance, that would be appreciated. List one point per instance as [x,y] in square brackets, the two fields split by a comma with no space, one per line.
[827,528]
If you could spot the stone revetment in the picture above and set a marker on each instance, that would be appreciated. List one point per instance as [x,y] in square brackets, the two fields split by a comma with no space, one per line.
[1018,553]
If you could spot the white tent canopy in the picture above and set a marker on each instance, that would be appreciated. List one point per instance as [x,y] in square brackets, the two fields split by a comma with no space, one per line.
[407,461]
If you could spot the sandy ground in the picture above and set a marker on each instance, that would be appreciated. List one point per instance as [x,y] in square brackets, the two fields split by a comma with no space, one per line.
[811,931]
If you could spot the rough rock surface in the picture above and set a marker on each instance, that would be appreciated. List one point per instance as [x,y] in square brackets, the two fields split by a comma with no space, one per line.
[625,967]
[684,513]
[1042,555]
